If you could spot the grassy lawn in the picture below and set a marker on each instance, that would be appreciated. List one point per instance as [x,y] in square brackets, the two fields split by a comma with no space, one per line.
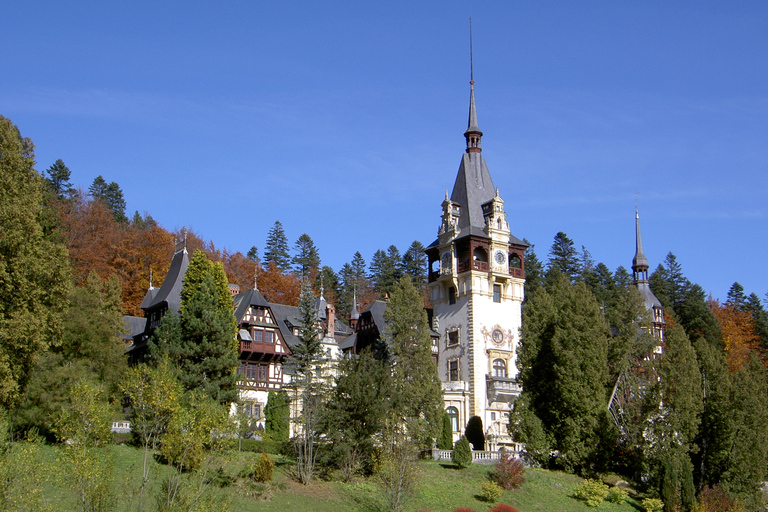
[441,487]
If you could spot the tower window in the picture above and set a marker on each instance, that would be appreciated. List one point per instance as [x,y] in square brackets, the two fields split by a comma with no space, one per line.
[453,338]
[453,415]
[515,261]
[453,370]
[496,293]
[451,295]
[499,368]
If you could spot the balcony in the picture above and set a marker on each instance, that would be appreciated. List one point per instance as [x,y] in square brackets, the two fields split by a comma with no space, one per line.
[455,385]
[480,266]
[502,389]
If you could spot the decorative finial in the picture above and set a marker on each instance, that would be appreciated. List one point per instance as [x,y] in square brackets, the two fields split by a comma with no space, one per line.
[255,277]
[150,279]
[471,62]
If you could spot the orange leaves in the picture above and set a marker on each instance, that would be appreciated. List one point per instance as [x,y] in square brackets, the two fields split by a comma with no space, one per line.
[739,335]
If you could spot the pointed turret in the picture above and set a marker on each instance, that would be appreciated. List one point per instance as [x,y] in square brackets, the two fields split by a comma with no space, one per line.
[473,133]
[640,270]
[639,262]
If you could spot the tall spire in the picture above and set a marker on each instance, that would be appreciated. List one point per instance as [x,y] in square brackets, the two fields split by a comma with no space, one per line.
[639,262]
[473,133]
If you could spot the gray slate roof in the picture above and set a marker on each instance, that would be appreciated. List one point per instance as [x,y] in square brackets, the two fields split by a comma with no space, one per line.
[170,291]
[473,188]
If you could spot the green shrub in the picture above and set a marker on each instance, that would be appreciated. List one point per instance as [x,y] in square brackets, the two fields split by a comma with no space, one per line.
[652,505]
[462,453]
[591,492]
[490,492]
[445,441]
[616,495]
[508,472]
[262,470]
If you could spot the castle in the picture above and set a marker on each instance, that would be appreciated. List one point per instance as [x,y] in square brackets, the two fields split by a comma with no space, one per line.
[476,278]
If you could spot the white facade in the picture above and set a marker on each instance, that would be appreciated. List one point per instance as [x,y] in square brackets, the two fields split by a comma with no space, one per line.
[476,282]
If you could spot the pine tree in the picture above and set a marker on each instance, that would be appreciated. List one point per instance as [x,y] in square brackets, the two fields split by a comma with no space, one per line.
[415,264]
[748,456]
[307,259]
[716,428]
[563,257]
[358,410]
[384,272]
[358,266]
[736,297]
[253,254]
[310,386]
[417,402]
[111,195]
[276,248]
[58,179]
[202,343]
[534,270]
[34,270]
[563,367]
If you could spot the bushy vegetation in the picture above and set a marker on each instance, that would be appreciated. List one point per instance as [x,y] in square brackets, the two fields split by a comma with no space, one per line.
[490,492]
[462,453]
[616,495]
[591,492]
[262,470]
[508,472]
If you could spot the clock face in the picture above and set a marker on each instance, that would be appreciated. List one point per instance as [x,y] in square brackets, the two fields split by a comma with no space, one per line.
[500,257]
[498,337]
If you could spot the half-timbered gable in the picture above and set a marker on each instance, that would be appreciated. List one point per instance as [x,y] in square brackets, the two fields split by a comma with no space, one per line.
[263,347]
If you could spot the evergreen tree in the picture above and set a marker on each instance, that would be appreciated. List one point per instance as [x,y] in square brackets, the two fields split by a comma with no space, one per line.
[748,456]
[144,222]
[415,264]
[674,426]
[307,259]
[760,316]
[253,254]
[417,398]
[203,342]
[58,179]
[384,271]
[34,270]
[111,195]
[91,348]
[716,428]
[622,278]
[277,416]
[534,270]
[276,248]
[562,361]
[462,453]
[474,433]
[311,385]
[358,266]
[199,267]
[445,441]
[358,410]
[736,297]
[563,257]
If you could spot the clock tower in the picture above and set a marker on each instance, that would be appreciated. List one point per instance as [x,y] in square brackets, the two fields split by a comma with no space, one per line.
[476,278]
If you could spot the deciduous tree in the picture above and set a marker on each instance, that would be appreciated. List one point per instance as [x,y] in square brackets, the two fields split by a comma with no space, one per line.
[34,271]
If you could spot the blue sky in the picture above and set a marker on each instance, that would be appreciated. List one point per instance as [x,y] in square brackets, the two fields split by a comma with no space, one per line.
[344,120]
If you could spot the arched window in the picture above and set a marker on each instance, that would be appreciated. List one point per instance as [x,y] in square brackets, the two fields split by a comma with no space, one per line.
[480,255]
[499,368]
[515,261]
[453,415]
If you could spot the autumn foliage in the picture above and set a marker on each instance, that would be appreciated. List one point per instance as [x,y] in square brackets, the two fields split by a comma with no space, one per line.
[740,337]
